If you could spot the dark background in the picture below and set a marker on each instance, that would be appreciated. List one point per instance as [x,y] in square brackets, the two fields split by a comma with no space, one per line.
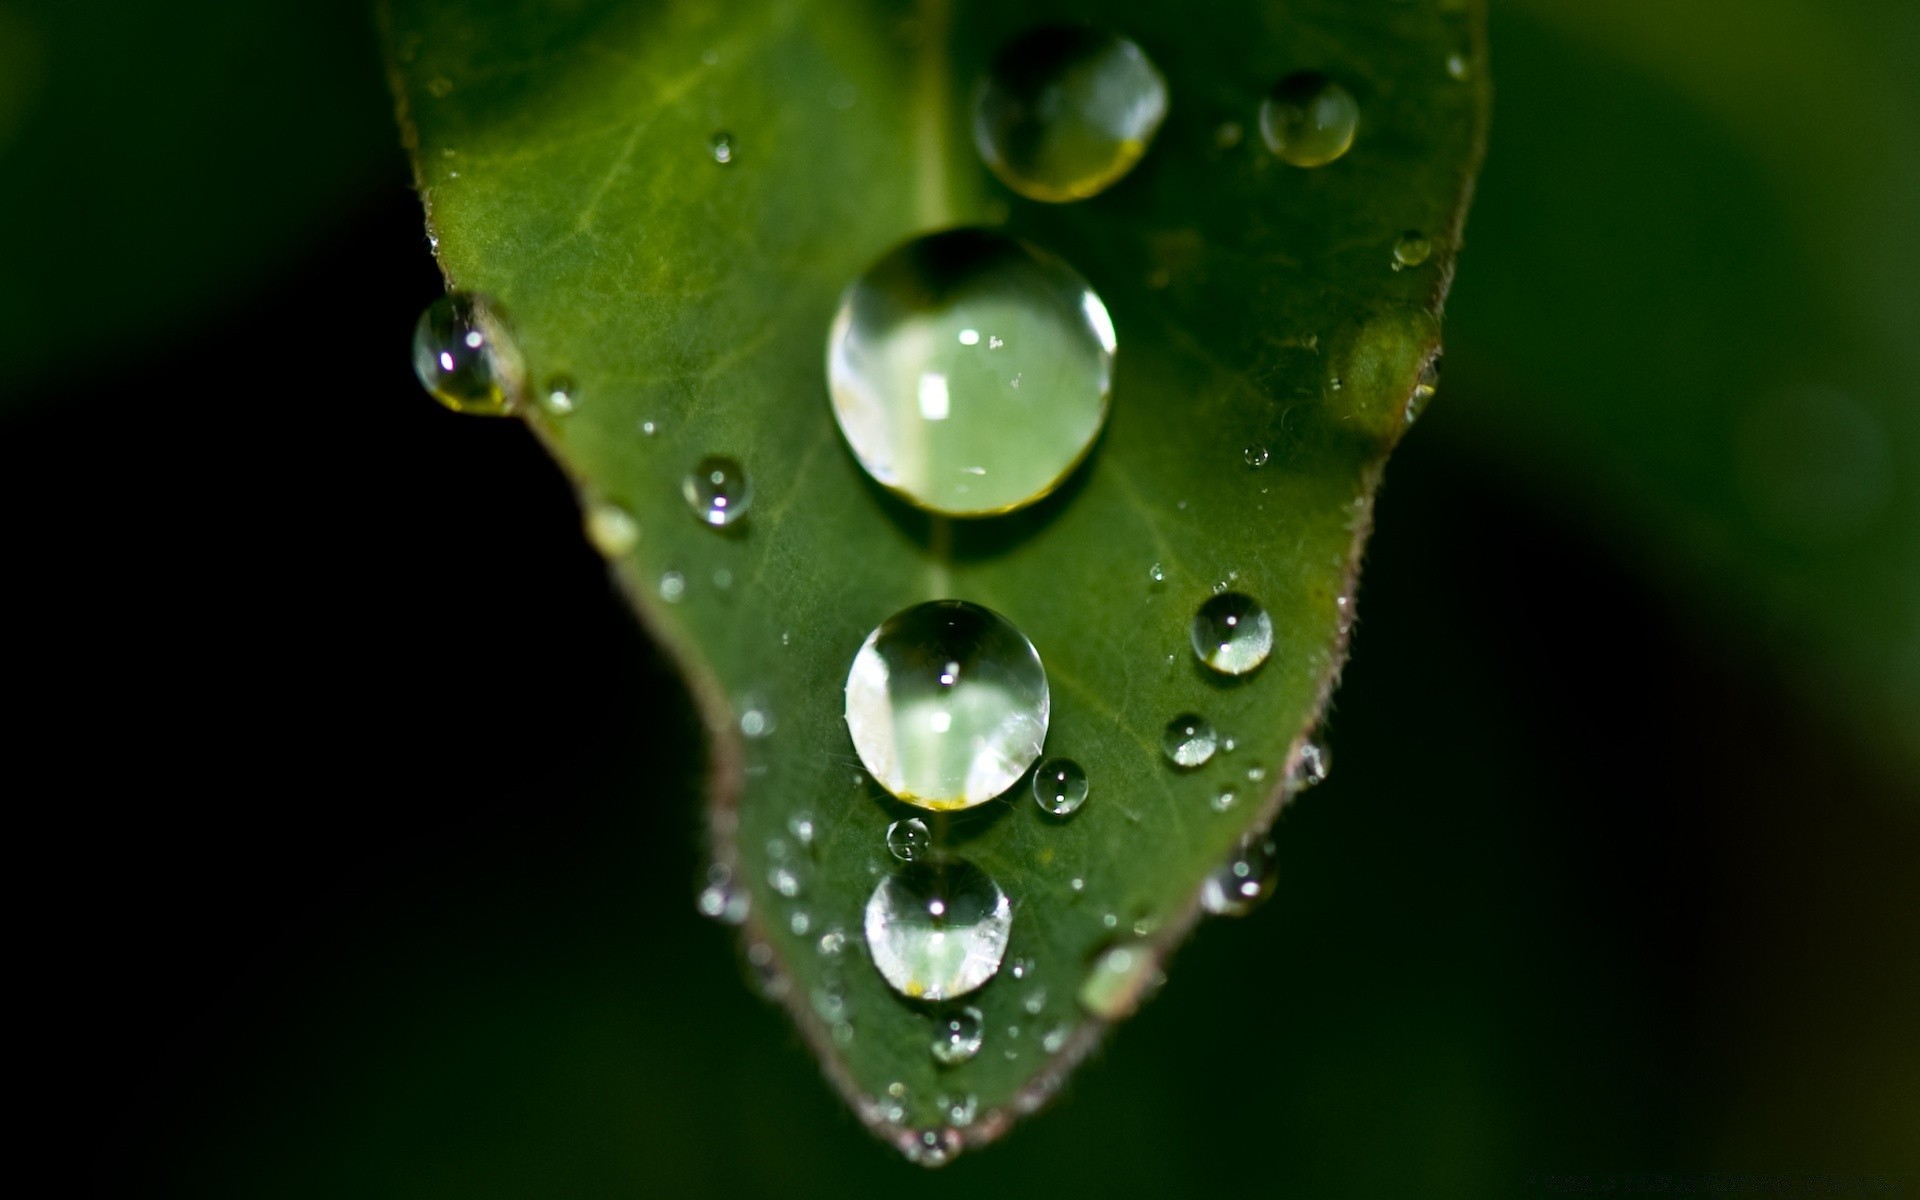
[356,843]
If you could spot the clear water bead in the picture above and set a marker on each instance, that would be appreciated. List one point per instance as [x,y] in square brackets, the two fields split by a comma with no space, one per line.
[947,704]
[938,933]
[612,530]
[1243,881]
[1066,110]
[909,840]
[1313,766]
[1256,456]
[969,371]
[561,396]
[465,356]
[958,1036]
[722,899]
[1412,249]
[1060,786]
[1232,633]
[1308,120]
[721,147]
[718,490]
[1189,740]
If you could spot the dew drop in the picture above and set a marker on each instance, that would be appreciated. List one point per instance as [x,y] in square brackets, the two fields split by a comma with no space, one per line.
[756,721]
[465,356]
[935,934]
[943,422]
[1066,110]
[1035,1002]
[1411,250]
[800,922]
[1232,633]
[718,491]
[832,943]
[782,878]
[1312,767]
[560,397]
[1060,786]
[1308,120]
[801,826]
[1021,967]
[721,147]
[1243,881]
[648,428]
[1157,573]
[673,586]
[722,899]
[612,530]
[1054,1039]
[959,1036]
[1120,978]
[1256,456]
[947,704]
[1460,67]
[1189,740]
[909,840]
[1223,800]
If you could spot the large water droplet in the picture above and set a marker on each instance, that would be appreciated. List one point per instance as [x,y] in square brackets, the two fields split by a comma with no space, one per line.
[1189,740]
[1308,119]
[927,357]
[937,933]
[1060,786]
[947,704]
[1066,110]
[465,356]
[959,1036]
[1241,882]
[909,840]
[1232,633]
[718,491]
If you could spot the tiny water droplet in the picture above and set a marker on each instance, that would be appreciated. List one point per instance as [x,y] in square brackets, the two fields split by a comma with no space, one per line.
[1054,1039]
[1121,977]
[1077,884]
[782,878]
[721,147]
[1308,120]
[756,721]
[1232,633]
[930,1147]
[673,585]
[1256,773]
[465,355]
[909,840]
[1020,967]
[959,1036]
[1189,740]
[1256,456]
[1036,1001]
[721,899]
[830,1001]
[947,704]
[1411,250]
[929,414]
[843,1034]
[832,943]
[718,490]
[1223,799]
[648,428]
[801,826]
[1066,110]
[1110,920]
[1157,573]
[1460,67]
[1060,786]
[612,530]
[800,922]
[935,934]
[559,398]
[1243,881]
[1312,767]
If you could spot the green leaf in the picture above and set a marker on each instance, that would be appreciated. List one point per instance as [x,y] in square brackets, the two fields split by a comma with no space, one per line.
[565,158]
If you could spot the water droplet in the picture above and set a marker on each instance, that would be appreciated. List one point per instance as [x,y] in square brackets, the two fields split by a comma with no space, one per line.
[1460,67]
[943,422]
[1223,800]
[1243,881]
[648,428]
[1311,767]
[1256,773]
[963,1111]
[1021,967]
[843,1034]
[718,491]
[909,840]
[935,934]
[465,356]
[1110,920]
[1411,250]
[1157,573]
[1060,786]
[559,398]
[1308,119]
[830,1001]
[722,147]
[958,1036]
[782,878]
[1189,740]
[1232,633]
[721,899]
[930,1147]
[1066,110]
[612,530]
[1077,884]
[947,704]
[1121,977]
[1256,456]
[801,826]
[1036,1001]
[832,943]
[756,721]
[800,922]
[673,585]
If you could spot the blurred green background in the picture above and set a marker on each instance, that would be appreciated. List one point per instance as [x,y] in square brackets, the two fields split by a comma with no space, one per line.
[369,861]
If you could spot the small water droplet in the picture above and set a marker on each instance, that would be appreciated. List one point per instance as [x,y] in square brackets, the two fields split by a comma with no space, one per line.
[927,414]
[935,934]
[1308,120]
[1256,456]
[1121,977]
[958,1036]
[1060,786]
[1460,67]
[800,922]
[842,1034]
[612,530]
[1036,1001]
[1157,573]
[1020,967]
[1232,634]
[721,147]
[1256,773]
[756,721]
[1189,740]
[1243,881]
[909,840]
[721,899]
[830,1001]
[930,1147]
[465,356]
[648,428]
[718,490]
[801,826]
[1411,250]
[1110,920]
[1312,767]
[782,878]
[1066,110]
[947,704]
[673,586]
[1077,884]
[1223,800]
[560,396]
